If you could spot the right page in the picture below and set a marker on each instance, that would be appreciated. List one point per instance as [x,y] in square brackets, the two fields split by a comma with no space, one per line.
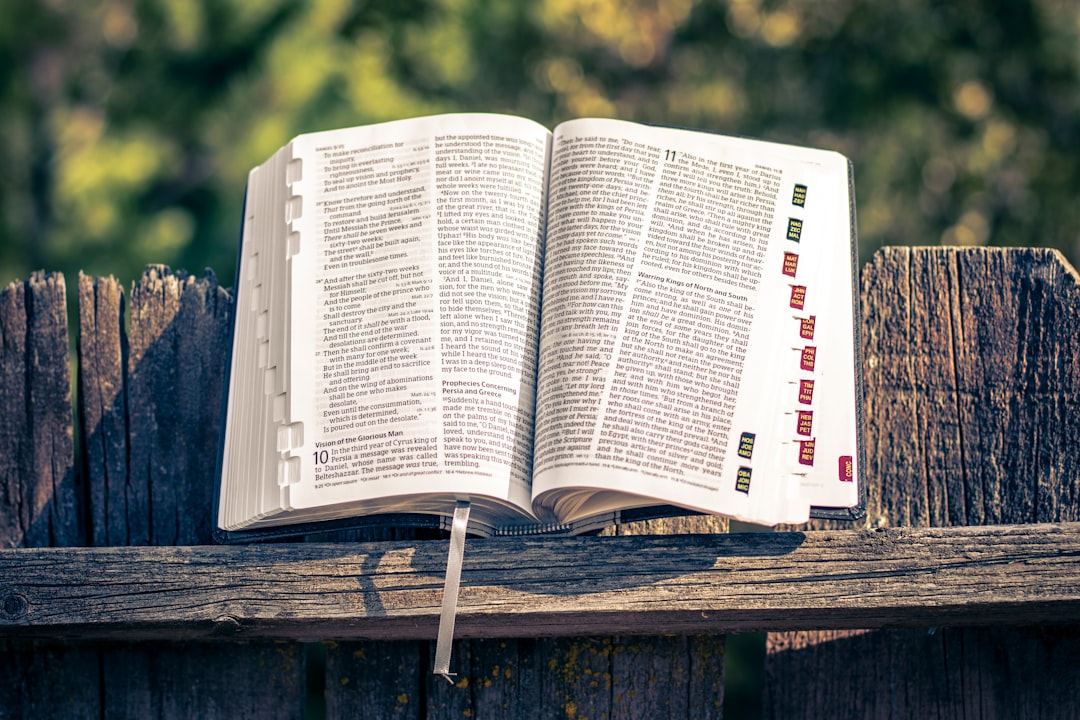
[698,334]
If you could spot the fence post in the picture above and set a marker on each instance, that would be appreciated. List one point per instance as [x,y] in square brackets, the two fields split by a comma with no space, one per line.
[973,417]
[39,499]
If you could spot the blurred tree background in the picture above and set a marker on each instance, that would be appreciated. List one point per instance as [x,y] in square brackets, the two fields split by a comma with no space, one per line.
[127,127]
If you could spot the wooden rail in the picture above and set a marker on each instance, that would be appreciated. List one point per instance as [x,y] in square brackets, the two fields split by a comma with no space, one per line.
[957,598]
[513,587]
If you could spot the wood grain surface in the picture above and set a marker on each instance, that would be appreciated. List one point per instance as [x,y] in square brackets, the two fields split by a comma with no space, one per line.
[973,417]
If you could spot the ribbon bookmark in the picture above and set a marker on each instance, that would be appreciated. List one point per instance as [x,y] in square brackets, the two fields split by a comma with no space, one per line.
[450,591]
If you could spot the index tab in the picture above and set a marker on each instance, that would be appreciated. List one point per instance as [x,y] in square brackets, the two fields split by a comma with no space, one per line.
[288,471]
[798,297]
[294,172]
[746,445]
[294,208]
[804,423]
[262,325]
[290,437]
[846,468]
[798,195]
[742,480]
[791,264]
[794,229]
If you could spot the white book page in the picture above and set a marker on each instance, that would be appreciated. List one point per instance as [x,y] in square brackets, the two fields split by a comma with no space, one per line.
[667,336]
[415,287]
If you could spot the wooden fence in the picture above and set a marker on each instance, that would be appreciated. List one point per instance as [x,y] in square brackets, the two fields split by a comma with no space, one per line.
[959,598]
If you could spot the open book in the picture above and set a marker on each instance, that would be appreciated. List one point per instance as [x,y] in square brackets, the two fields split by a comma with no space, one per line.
[559,326]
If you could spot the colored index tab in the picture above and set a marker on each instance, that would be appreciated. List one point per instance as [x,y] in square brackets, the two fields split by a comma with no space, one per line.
[746,445]
[798,297]
[846,469]
[806,452]
[742,480]
[798,196]
[807,358]
[806,392]
[806,327]
[794,229]
[804,424]
[791,264]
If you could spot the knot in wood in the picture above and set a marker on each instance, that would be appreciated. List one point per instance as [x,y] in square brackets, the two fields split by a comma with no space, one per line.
[13,605]
[225,626]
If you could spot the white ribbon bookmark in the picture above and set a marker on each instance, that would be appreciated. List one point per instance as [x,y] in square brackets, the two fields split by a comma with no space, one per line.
[450,591]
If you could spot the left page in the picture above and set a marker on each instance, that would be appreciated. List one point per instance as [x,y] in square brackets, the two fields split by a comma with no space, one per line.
[414,260]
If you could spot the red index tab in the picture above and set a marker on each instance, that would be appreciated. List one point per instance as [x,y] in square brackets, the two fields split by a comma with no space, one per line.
[806,392]
[846,469]
[806,452]
[807,358]
[798,296]
[804,424]
[791,264]
[806,327]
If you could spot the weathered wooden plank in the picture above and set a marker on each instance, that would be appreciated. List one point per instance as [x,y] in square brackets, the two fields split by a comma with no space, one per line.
[38,492]
[203,335]
[37,478]
[48,680]
[202,680]
[158,403]
[588,676]
[14,432]
[377,679]
[178,339]
[517,587]
[102,346]
[930,672]
[973,417]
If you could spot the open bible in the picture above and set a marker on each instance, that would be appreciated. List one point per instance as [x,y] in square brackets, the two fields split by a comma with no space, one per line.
[562,327]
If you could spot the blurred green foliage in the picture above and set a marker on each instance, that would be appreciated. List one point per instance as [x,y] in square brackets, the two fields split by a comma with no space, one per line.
[127,127]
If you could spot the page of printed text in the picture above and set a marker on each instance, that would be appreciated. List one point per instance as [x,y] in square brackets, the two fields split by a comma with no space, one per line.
[416,286]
